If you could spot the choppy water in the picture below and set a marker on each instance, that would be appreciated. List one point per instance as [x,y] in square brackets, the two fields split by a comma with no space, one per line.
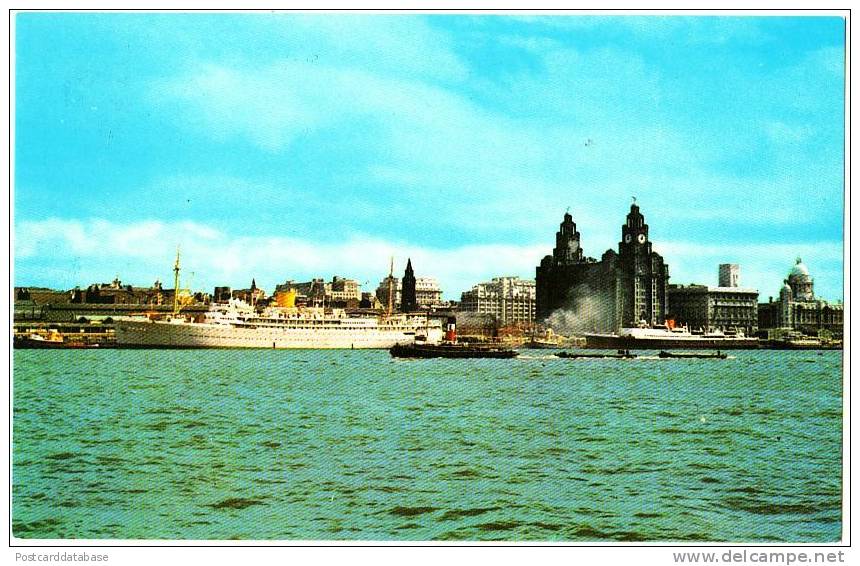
[354,445]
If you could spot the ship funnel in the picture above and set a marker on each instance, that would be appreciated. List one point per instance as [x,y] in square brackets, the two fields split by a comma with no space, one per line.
[451,330]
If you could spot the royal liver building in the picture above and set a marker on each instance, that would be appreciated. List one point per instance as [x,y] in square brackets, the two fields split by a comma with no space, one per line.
[581,294]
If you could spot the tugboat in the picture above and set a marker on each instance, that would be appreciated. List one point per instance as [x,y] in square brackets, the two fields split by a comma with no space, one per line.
[450,348]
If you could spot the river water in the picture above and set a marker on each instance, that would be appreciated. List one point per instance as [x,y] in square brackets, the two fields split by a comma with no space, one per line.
[334,445]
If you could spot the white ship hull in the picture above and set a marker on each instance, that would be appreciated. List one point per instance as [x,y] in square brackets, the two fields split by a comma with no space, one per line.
[657,338]
[348,334]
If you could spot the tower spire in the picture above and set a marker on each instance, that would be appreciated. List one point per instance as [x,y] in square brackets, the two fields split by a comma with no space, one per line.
[408,299]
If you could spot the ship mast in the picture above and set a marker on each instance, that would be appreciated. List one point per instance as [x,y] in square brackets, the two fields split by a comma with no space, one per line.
[176,283]
[390,285]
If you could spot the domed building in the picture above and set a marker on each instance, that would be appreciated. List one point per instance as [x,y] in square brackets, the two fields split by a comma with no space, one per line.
[800,282]
[798,309]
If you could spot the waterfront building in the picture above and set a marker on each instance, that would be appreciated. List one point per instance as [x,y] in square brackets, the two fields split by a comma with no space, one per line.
[408,297]
[369,301]
[42,295]
[798,309]
[252,295]
[222,294]
[388,285]
[727,307]
[308,293]
[428,293]
[510,300]
[343,290]
[623,289]
[339,292]
[115,293]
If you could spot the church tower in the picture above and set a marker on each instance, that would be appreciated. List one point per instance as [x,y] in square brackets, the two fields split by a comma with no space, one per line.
[408,299]
[643,277]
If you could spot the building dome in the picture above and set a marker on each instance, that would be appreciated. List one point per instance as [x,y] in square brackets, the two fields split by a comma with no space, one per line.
[799,269]
[800,282]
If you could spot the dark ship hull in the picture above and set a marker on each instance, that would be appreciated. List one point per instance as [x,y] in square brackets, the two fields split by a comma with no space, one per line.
[39,344]
[614,342]
[618,356]
[450,351]
[691,355]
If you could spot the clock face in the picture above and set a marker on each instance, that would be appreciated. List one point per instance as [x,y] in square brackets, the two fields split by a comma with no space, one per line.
[641,238]
[627,238]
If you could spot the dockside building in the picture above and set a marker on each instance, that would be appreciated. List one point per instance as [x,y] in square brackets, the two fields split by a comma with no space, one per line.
[510,301]
[727,307]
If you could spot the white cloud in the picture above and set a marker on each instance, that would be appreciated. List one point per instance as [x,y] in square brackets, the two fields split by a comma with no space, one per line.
[584,125]
[378,42]
[443,146]
[33,237]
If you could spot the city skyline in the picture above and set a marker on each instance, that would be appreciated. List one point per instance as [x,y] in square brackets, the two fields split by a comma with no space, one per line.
[318,145]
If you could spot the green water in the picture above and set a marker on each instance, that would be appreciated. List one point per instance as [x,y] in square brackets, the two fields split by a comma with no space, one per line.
[214,444]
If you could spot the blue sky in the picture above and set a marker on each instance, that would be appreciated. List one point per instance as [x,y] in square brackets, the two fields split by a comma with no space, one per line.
[287,146]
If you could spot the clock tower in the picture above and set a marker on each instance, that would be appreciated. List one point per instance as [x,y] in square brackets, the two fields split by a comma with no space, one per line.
[642,275]
[634,233]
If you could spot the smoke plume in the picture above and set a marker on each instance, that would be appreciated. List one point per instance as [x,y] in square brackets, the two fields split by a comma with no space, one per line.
[585,310]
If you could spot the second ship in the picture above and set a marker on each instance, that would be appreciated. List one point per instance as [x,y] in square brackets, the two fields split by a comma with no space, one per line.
[664,337]
[238,325]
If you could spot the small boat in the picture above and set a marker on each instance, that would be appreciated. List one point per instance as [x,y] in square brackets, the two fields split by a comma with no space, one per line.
[51,339]
[621,355]
[693,355]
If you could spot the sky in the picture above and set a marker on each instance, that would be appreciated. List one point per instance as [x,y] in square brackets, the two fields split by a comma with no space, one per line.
[291,146]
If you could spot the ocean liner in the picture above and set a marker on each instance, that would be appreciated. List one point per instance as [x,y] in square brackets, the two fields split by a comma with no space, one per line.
[665,337]
[237,325]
